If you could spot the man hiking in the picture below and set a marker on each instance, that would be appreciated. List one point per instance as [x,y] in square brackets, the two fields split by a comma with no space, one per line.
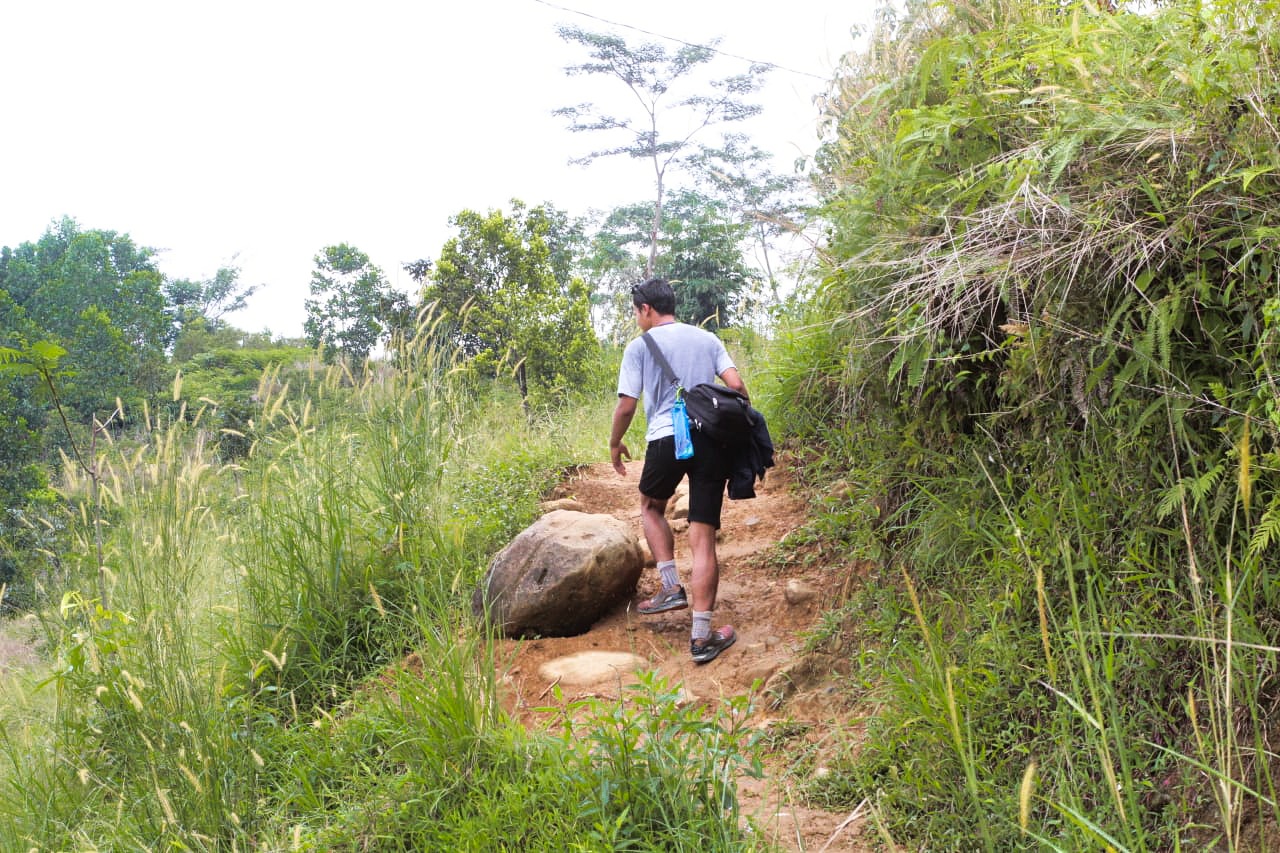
[695,356]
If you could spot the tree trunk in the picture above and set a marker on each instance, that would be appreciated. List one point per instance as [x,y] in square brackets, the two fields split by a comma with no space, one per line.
[654,227]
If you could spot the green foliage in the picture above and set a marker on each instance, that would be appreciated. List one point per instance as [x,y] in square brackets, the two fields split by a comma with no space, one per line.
[432,767]
[653,769]
[1044,350]
[231,382]
[140,749]
[505,292]
[101,297]
[767,203]
[204,303]
[341,540]
[701,255]
[304,670]
[352,307]
[24,494]
[671,101]
[24,490]
[86,320]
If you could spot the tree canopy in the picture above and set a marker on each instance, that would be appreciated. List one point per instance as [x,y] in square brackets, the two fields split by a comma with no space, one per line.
[353,307]
[670,106]
[101,297]
[701,245]
[506,287]
[197,306]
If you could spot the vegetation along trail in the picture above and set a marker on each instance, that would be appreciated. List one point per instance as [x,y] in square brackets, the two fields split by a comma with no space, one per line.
[771,604]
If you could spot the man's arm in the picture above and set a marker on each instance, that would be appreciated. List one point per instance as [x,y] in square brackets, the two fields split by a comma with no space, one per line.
[734,382]
[622,415]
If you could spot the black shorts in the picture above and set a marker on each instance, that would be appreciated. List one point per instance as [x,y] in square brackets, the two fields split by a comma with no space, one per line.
[708,471]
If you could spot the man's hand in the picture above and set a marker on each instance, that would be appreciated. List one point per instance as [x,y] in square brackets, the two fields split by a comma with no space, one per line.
[617,453]
[622,415]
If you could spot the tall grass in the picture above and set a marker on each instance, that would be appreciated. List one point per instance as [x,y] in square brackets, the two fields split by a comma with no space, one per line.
[137,742]
[1045,351]
[285,659]
[1061,679]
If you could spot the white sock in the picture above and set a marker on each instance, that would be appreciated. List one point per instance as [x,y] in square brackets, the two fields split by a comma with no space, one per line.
[670,578]
[701,624]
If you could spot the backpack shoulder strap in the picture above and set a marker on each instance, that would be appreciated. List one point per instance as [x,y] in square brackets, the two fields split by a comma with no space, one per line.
[656,352]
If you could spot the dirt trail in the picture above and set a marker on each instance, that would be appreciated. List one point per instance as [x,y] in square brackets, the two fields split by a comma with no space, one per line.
[753,598]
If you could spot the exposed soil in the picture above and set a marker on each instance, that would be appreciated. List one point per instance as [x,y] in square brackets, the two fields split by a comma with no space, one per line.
[771,605]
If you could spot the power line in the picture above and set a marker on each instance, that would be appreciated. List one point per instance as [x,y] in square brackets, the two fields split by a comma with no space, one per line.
[680,41]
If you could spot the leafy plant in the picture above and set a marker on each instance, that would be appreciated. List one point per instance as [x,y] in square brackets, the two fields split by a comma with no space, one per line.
[653,768]
[1036,350]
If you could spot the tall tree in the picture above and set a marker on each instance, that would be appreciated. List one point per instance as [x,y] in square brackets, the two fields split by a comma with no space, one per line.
[23,479]
[197,308]
[674,106]
[506,286]
[702,255]
[208,299]
[614,262]
[769,203]
[351,304]
[92,289]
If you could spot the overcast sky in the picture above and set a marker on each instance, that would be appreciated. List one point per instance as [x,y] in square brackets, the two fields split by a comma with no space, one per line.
[256,133]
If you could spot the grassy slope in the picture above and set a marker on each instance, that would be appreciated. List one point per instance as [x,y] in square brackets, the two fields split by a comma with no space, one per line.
[1042,369]
[234,681]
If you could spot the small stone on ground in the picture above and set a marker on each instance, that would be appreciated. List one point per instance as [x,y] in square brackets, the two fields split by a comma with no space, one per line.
[583,668]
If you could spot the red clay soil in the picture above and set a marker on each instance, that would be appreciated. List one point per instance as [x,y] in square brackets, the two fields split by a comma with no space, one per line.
[771,626]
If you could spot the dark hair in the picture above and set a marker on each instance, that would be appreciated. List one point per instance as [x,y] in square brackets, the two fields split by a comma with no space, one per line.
[657,294]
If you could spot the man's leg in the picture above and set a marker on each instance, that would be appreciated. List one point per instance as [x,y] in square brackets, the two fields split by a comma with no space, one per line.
[706,498]
[657,531]
[706,569]
[660,476]
[706,644]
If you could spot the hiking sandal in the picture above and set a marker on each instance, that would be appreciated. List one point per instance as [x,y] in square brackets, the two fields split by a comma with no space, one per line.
[705,651]
[667,599]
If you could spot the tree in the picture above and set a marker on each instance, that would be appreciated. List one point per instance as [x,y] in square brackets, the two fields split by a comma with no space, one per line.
[614,263]
[769,203]
[197,308]
[665,129]
[207,300]
[82,289]
[351,301]
[702,255]
[199,335]
[506,286]
[23,479]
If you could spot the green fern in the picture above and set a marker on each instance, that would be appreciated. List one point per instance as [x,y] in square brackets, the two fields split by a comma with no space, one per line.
[1172,499]
[1268,530]
[1192,489]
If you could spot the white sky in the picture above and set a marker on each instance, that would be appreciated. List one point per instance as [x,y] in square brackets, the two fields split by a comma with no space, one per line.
[259,132]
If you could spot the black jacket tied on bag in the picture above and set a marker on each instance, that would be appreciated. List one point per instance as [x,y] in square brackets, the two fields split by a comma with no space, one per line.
[750,460]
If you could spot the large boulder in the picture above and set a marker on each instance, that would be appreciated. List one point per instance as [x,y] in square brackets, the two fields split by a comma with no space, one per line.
[560,575]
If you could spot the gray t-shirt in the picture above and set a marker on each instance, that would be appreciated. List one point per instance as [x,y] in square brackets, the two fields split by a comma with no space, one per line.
[696,356]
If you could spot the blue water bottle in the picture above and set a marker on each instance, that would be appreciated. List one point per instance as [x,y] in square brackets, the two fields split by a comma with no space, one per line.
[680,420]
